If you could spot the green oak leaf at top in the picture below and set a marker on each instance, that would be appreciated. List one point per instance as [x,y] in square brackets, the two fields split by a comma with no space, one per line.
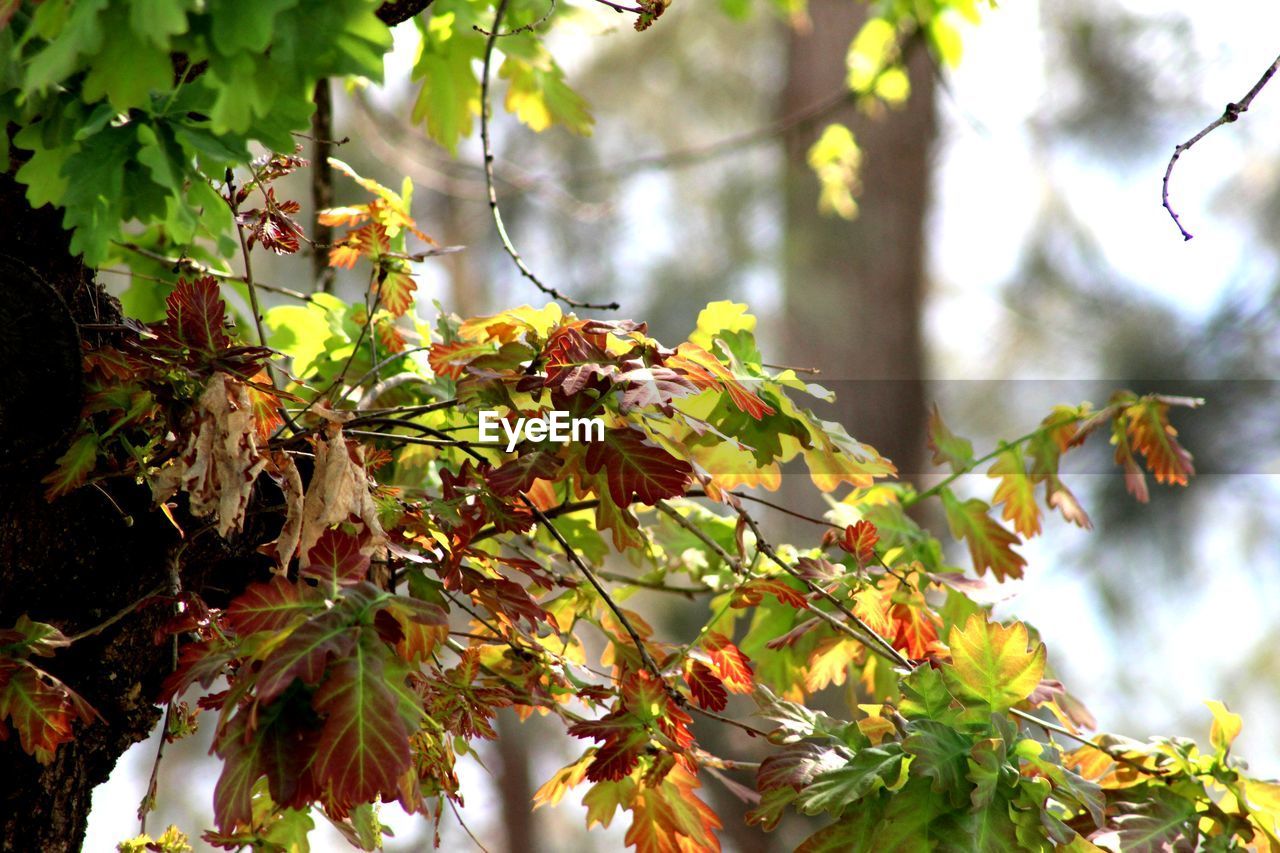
[992,664]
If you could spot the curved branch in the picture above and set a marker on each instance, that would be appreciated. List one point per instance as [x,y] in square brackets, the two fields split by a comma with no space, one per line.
[1229,114]
[487,144]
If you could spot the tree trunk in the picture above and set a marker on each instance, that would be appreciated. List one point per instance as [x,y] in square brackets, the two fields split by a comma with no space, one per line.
[88,556]
[854,289]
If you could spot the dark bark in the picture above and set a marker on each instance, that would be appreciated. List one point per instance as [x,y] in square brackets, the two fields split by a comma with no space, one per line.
[854,289]
[392,13]
[81,559]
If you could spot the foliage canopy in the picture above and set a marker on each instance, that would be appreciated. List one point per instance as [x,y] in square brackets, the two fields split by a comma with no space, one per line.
[417,580]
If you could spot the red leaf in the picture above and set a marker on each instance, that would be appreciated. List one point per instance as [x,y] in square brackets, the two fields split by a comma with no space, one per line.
[518,474]
[705,686]
[637,469]
[914,631]
[729,663]
[364,745]
[306,652]
[753,592]
[74,466]
[860,540]
[706,371]
[337,558]
[990,545]
[272,606]
[1154,437]
[40,707]
[450,359]
[195,315]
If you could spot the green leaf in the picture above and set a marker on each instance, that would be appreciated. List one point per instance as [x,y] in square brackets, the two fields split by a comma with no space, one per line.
[948,447]
[836,159]
[913,821]
[1226,726]
[1158,822]
[986,767]
[80,33]
[853,833]
[941,753]
[127,68]
[925,696]
[991,829]
[537,93]
[94,200]
[869,769]
[74,466]
[450,93]
[993,664]
[158,20]
[245,25]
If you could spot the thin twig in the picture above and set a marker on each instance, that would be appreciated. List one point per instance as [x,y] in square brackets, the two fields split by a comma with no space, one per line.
[527,28]
[410,439]
[786,511]
[912,500]
[487,144]
[749,729]
[1066,732]
[729,560]
[872,640]
[116,617]
[1229,114]
[619,8]
[688,592]
[591,577]
[199,269]
[248,267]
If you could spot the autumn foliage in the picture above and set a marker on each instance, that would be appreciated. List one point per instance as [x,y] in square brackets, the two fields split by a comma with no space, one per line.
[415,581]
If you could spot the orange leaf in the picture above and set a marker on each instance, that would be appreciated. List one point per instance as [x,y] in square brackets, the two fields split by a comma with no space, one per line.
[990,545]
[1016,491]
[729,663]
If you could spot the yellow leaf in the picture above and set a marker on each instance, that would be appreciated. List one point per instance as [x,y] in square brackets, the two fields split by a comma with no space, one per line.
[723,316]
[566,777]
[1226,726]
[993,664]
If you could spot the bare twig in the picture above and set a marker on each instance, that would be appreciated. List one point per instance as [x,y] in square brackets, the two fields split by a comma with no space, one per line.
[487,144]
[1229,114]
[729,560]
[527,28]
[198,268]
[116,617]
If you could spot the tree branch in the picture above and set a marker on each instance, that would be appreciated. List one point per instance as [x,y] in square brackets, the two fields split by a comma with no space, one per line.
[487,144]
[1229,114]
